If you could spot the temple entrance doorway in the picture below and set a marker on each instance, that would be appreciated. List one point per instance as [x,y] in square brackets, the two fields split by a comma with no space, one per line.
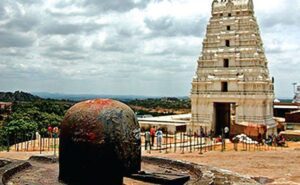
[223,117]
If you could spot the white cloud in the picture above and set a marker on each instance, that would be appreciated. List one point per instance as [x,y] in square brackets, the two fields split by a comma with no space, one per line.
[127,46]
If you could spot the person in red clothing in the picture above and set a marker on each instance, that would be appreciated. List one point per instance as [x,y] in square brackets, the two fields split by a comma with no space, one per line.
[152,134]
[50,129]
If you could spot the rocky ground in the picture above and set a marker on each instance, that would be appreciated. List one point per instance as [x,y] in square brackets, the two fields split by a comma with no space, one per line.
[47,173]
[43,173]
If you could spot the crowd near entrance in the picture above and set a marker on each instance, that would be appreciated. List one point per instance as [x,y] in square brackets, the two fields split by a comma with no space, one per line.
[161,140]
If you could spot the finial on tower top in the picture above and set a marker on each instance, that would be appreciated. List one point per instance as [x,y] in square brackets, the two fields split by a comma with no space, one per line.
[219,3]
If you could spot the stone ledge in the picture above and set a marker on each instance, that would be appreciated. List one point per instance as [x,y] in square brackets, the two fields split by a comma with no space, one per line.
[44,158]
[206,175]
[4,162]
[192,167]
[12,168]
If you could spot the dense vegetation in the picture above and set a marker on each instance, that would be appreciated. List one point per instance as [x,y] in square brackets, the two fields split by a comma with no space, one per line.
[30,117]
[31,114]
[164,103]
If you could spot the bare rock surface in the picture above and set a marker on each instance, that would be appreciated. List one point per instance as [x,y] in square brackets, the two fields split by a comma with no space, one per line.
[45,173]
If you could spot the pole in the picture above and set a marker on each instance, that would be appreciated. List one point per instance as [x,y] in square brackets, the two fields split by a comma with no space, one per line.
[182,142]
[222,138]
[205,137]
[175,142]
[197,140]
[167,142]
[18,142]
[34,138]
[200,143]
[22,141]
[7,137]
[211,140]
[170,142]
[190,135]
[48,141]
[40,144]
[55,147]
[194,141]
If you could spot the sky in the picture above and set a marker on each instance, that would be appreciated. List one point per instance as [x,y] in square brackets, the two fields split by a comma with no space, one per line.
[128,47]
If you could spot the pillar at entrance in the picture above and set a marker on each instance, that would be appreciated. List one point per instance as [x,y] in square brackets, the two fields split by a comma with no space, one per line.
[99,143]
[232,71]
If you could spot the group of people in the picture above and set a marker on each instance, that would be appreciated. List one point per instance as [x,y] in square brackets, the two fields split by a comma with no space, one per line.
[52,131]
[277,140]
[150,137]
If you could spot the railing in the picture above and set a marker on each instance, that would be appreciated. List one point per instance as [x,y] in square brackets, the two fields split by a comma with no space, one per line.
[184,142]
[32,142]
[176,142]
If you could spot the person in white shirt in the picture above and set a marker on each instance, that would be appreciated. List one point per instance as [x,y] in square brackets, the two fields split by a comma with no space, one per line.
[159,135]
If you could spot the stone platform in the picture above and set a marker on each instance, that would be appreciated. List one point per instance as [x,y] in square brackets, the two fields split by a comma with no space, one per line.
[46,172]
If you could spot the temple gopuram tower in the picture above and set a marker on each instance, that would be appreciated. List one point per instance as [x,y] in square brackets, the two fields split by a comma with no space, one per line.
[232,85]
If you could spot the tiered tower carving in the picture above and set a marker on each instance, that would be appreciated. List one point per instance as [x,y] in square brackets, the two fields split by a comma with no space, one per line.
[232,69]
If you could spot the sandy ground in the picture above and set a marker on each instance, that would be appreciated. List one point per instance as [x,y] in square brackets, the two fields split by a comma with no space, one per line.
[282,165]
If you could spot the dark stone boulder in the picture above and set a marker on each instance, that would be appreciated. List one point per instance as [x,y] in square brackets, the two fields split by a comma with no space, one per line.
[99,143]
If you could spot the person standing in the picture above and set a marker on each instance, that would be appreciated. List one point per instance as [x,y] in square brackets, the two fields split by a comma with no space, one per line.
[147,140]
[226,132]
[159,135]
[152,134]
[50,130]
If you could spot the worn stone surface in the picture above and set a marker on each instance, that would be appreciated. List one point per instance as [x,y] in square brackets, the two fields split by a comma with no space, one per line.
[99,140]
[4,162]
[10,168]
[44,158]
[205,175]
[46,173]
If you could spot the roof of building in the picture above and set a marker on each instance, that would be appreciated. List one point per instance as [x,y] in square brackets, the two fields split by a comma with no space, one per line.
[295,112]
[176,120]
[278,105]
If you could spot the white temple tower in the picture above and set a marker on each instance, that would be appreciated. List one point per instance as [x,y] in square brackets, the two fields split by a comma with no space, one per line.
[232,83]
[297,94]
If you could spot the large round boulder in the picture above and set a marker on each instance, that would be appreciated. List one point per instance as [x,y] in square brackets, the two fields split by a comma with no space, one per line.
[99,143]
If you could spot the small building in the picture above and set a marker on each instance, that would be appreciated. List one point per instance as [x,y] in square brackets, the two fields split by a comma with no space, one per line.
[293,120]
[173,123]
[281,109]
[297,95]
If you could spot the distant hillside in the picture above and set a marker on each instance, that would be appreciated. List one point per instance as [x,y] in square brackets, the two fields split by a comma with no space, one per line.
[81,97]
[17,96]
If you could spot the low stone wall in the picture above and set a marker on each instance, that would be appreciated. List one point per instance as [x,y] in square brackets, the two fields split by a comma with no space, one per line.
[44,158]
[4,162]
[205,175]
[10,169]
